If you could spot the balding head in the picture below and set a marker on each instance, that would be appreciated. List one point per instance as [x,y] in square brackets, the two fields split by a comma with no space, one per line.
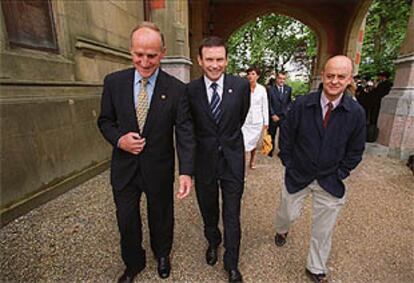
[336,76]
[340,60]
[148,26]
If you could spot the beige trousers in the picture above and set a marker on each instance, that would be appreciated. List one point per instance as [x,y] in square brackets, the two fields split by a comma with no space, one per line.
[325,211]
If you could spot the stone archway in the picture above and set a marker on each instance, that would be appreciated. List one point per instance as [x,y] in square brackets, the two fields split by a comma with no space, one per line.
[336,24]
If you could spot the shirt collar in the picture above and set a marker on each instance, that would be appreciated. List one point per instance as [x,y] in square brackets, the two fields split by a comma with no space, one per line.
[219,82]
[151,80]
[325,100]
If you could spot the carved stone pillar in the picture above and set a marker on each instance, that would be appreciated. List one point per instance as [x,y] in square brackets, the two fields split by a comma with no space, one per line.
[396,120]
[172,18]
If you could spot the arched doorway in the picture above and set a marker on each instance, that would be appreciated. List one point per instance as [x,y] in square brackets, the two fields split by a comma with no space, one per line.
[336,23]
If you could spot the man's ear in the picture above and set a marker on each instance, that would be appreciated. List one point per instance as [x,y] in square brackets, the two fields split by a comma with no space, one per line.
[199,60]
[163,52]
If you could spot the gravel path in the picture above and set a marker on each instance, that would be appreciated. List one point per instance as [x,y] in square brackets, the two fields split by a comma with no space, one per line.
[74,238]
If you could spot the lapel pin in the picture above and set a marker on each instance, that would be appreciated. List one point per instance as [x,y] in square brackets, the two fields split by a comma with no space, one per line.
[230,90]
[163,97]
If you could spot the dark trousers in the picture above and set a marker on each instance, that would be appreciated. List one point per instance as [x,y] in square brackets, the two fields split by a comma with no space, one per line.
[374,113]
[160,221]
[208,201]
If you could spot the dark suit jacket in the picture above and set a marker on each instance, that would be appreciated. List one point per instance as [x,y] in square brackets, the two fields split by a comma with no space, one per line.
[279,103]
[383,88]
[168,108]
[310,152]
[226,136]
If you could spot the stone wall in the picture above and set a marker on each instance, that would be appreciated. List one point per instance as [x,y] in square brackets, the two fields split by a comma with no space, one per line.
[50,101]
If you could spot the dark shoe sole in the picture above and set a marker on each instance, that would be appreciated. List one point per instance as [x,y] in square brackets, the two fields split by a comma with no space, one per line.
[316,278]
[280,239]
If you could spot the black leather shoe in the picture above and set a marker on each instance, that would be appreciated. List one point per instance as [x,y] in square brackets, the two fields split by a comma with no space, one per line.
[317,278]
[280,239]
[129,275]
[211,255]
[235,276]
[164,267]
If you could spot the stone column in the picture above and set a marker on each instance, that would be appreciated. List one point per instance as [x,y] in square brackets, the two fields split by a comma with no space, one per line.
[396,120]
[172,18]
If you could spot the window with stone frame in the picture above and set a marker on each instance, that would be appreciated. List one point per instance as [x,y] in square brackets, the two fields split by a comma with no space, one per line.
[30,24]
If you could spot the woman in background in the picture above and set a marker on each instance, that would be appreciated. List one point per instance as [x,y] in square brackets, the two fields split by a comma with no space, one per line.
[258,117]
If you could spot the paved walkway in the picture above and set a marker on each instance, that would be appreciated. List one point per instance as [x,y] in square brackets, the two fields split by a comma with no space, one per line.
[74,238]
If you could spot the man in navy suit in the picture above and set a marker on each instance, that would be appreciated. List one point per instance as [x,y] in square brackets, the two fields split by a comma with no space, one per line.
[322,140]
[140,108]
[280,96]
[219,104]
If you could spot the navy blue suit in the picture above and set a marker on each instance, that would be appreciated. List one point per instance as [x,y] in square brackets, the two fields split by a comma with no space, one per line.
[278,105]
[310,152]
[220,161]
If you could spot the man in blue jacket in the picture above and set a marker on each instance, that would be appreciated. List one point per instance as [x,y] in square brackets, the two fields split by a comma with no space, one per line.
[322,140]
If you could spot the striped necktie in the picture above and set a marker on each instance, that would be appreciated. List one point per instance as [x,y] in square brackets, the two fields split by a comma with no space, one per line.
[327,114]
[142,106]
[215,103]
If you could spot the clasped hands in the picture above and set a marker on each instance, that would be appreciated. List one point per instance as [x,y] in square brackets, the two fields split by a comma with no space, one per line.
[275,118]
[133,143]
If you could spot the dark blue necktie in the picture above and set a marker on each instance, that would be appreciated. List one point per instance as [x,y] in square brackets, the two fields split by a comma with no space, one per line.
[215,103]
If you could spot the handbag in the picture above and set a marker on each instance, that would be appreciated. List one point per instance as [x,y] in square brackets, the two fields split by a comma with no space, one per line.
[266,143]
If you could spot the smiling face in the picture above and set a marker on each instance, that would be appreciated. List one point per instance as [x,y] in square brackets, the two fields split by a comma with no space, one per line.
[336,76]
[213,61]
[147,51]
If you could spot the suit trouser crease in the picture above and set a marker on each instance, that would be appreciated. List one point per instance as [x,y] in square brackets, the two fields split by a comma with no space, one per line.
[160,222]
[325,208]
[208,199]
[130,227]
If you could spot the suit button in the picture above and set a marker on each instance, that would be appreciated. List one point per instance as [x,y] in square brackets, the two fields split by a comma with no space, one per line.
[219,148]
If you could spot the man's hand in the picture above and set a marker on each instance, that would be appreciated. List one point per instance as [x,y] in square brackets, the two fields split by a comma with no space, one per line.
[185,186]
[132,142]
[275,118]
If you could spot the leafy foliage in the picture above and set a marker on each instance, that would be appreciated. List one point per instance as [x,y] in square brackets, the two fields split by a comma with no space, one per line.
[384,32]
[299,87]
[271,42]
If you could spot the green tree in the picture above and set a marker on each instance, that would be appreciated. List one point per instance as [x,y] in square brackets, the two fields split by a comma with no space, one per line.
[271,42]
[298,87]
[385,30]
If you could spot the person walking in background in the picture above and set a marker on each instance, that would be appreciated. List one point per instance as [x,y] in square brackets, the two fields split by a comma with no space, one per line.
[140,108]
[280,96]
[322,140]
[382,89]
[219,104]
[257,118]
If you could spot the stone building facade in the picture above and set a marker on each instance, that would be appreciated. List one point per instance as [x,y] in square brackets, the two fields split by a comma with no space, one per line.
[54,55]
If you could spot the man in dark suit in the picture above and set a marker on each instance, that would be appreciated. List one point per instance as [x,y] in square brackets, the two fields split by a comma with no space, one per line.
[322,140]
[219,104]
[140,108]
[280,96]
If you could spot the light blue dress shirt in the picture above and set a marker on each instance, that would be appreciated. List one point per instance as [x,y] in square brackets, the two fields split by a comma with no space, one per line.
[150,86]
